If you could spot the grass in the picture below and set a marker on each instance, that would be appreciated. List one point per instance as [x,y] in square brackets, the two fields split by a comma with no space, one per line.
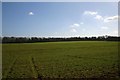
[75,59]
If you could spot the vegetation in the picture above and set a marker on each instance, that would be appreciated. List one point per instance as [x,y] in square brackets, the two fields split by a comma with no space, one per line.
[43,39]
[74,59]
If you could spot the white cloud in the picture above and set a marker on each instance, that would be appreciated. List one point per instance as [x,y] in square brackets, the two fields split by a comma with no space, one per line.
[94,14]
[115,32]
[105,28]
[90,13]
[111,18]
[75,25]
[30,13]
[73,30]
[98,17]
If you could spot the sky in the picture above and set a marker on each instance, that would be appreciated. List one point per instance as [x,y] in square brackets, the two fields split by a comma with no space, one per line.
[60,0]
[0,19]
[59,19]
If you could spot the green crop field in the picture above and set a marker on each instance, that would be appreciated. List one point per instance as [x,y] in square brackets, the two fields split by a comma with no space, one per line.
[75,59]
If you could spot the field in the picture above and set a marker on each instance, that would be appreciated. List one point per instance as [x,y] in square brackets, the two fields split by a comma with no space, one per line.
[75,59]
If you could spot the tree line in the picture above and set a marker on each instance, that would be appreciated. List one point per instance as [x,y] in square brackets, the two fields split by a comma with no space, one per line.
[53,39]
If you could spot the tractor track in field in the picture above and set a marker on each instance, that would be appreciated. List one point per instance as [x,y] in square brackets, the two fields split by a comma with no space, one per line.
[35,70]
[10,68]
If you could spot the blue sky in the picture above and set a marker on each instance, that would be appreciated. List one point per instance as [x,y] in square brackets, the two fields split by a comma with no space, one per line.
[0,19]
[59,19]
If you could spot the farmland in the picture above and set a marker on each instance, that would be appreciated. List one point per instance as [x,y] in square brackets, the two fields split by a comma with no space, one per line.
[74,59]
